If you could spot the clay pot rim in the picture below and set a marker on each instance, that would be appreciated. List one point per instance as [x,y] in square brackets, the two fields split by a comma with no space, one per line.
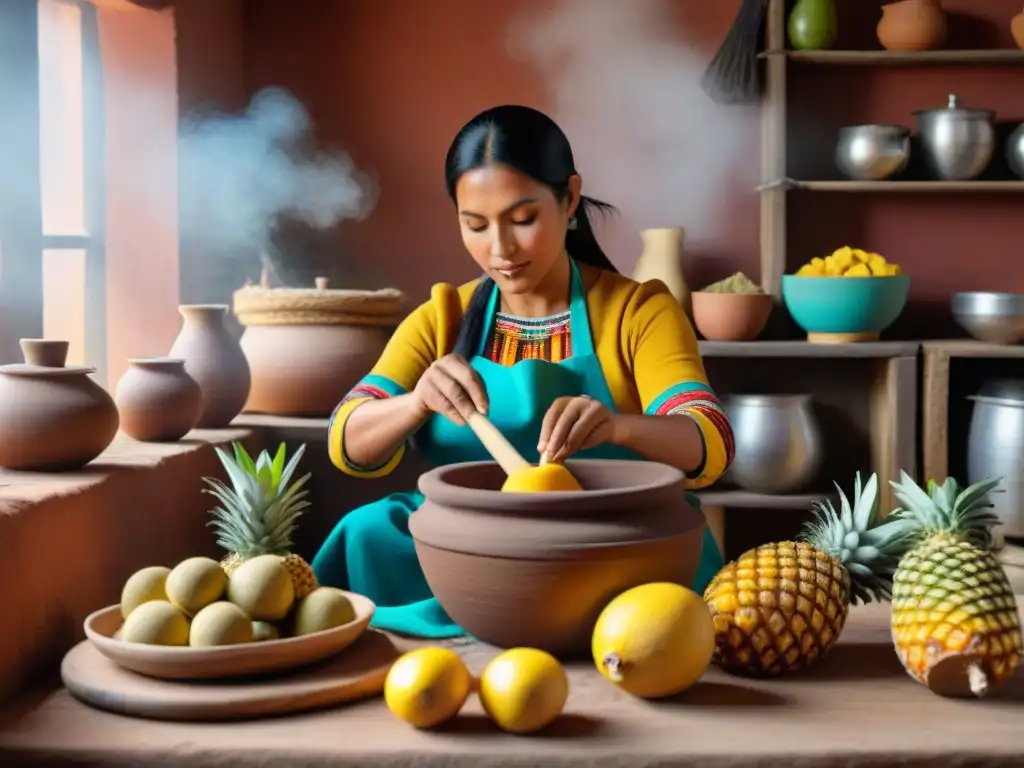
[45,372]
[183,308]
[156,361]
[668,482]
[745,296]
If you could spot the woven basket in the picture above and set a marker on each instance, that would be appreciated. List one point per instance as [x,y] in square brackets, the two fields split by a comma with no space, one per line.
[258,305]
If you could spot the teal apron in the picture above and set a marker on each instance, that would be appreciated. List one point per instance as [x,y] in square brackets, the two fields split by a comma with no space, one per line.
[370,550]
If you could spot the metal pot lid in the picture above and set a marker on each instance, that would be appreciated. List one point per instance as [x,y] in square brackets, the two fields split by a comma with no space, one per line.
[1005,390]
[953,109]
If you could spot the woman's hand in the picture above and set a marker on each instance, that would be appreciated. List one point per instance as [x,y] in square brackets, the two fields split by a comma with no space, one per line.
[573,424]
[452,388]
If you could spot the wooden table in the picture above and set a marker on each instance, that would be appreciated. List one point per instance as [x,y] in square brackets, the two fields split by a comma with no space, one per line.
[858,708]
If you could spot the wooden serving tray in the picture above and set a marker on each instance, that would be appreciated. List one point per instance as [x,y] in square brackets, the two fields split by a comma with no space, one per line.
[355,674]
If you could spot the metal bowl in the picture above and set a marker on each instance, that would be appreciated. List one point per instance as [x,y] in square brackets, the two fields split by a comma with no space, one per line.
[872,152]
[957,143]
[997,318]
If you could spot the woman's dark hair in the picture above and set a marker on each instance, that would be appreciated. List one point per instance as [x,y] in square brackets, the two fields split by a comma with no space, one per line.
[532,143]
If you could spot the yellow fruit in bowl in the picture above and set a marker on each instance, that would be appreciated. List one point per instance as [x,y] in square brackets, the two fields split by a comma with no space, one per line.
[157,622]
[427,687]
[322,609]
[195,583]
[220,623]
[143,586]
[849,262]
[262,587]
[654,640]
[523,689]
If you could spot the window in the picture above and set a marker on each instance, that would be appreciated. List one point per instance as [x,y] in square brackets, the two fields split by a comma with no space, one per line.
[51,232]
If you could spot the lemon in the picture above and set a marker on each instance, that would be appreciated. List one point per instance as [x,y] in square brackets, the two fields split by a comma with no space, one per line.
[654,640]
[544,478]
[523,689]
[427,687]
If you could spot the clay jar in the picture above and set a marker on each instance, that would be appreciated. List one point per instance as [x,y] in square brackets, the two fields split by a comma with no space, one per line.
[53,417]
[308,347]
[912,25]
[661,259]
[157,400]
[731,316]
[1017,29]
[525,569]
[214,359]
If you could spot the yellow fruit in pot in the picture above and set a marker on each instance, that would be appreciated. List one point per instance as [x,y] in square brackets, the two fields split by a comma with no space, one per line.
[523,690]
[262,587]
[195,583]
[220,623]
[143,586]
[427,687]
[543,478]
[654,640]
[323,608]
[156,622]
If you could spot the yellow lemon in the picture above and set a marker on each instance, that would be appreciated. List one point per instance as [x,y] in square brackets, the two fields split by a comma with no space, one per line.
[654,640]
[427,687]
[541,479]
[523,689]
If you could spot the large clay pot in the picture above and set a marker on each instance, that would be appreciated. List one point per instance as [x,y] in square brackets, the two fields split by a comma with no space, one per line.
[157,400]
[662,259]
[912,25]
[308,347]
[1017,29]
[517,569]
[214,359]
[52,418]
[812,25]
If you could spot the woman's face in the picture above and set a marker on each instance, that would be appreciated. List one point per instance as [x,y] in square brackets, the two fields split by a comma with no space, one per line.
[513,226]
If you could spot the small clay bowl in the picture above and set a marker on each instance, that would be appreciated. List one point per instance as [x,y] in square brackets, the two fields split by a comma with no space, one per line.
[730,316]
[536,569]
[226,661]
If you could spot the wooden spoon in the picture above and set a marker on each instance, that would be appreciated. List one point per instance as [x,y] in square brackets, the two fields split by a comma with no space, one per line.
[503,452]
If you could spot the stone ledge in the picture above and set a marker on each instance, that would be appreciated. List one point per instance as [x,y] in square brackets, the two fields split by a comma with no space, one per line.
[71,539]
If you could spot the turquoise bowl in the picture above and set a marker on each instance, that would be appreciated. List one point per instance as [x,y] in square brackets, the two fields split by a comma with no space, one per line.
[855,306]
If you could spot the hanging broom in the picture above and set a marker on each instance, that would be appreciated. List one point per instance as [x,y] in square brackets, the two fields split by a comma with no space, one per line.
[734,75]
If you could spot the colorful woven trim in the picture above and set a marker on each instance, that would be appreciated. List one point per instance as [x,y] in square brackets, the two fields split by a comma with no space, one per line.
[377,387]
[695,397]
[521,338]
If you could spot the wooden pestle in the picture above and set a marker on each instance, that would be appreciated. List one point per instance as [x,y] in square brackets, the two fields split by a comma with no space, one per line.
[508,458]
[522,475]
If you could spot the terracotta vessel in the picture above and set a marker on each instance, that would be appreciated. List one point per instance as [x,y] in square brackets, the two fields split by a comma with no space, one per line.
[536,570]
[731,316]
[52,418]
[662,259]
[157,400]
[308,347]
[1017,29]
[912,25]
[49,353]
[214,359]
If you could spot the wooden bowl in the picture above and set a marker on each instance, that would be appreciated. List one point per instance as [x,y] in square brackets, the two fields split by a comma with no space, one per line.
[247,659]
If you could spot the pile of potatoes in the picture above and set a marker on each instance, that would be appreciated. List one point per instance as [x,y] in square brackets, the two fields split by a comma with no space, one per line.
[850,262]
[197,604]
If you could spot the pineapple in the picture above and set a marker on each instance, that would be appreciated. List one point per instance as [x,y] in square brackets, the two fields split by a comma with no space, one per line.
[781,607]
[955,622]
[257,514]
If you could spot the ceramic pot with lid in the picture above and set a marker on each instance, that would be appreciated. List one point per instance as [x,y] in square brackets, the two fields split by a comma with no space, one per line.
[157,400]
[957,142]
[995,448]
[536,569]
[52,417]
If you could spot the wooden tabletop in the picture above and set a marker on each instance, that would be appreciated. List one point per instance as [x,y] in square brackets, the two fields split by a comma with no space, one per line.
[858,708]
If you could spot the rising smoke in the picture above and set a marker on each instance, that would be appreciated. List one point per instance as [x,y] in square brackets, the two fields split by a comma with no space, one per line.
[626,89]
[244,173]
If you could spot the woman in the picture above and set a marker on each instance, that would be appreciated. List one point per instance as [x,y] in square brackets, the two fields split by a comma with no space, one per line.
[566,356]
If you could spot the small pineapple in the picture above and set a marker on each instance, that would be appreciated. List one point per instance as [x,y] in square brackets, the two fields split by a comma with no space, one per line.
[955,622]
[781,607]
[257,514]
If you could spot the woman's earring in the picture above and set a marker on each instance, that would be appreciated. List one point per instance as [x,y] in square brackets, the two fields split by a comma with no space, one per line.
[572,223]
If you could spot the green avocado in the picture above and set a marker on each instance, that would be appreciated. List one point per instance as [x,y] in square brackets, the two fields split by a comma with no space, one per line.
[812,25]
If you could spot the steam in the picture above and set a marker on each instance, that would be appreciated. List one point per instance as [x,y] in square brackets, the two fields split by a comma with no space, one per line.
[627,92]
[245,172]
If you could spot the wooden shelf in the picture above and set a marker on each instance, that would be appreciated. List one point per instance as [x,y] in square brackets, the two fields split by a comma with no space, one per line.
[797,348]
[897,186]
[746,500]
[903,58]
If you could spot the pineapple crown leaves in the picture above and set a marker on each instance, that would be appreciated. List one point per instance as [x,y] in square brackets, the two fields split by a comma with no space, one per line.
[857,537]
[947,509]
[257,513]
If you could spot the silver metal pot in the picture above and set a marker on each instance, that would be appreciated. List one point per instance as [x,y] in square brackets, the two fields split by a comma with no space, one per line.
[957,143]
[995,448]
[872,152]
[1015,151]
[778,442]
[997,318]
